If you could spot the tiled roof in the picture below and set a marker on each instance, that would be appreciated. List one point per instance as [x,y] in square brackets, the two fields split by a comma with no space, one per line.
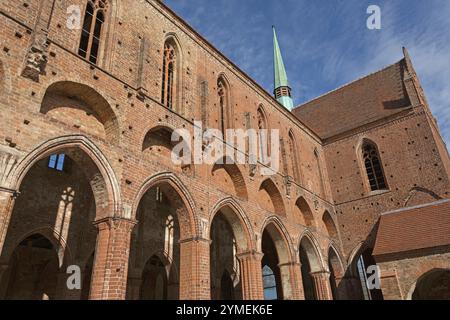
[414,228]
[363,101]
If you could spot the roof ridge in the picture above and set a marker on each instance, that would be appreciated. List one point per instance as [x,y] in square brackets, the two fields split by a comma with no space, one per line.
[420,206]
[348,84]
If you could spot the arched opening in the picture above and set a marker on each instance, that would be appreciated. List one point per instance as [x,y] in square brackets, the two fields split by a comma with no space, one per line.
[310,264]
[434,285]
[54,214]
[304,215]
[154,260]
[154,280]
[79,106]
[223,258]
[336,274]
[229,236]
[273,289]
[329,225]
[33,270]
[275,269]
[270,199]
[228,178]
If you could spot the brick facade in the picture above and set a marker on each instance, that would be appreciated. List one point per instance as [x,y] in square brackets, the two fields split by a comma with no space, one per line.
[109,211]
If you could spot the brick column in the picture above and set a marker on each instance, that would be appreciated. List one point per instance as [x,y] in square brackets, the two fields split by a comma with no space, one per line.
[291,273]
[194,269]
[322,286]
[251,275]
[7,199]
[110,270]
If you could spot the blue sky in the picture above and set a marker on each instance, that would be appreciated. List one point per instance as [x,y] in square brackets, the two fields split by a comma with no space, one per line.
[326,44]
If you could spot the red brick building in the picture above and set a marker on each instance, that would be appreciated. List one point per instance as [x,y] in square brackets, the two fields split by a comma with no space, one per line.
[87,180]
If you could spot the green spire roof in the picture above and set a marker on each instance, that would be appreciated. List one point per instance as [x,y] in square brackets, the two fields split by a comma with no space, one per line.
[280,79]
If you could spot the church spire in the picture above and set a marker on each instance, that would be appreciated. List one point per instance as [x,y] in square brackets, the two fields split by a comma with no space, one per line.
[282,89]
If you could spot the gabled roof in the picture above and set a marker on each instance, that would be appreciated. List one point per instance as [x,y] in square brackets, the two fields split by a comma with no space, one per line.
[414,228]
[374,97]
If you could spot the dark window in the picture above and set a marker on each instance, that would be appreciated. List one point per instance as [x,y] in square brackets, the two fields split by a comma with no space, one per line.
[374,167]
[92,30]
[56,162]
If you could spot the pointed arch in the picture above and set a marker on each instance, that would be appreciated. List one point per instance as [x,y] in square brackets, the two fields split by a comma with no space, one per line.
[330,225]
[312,248]
[59,243]
[238,220]
[272,197]
[234,174]
[276,246]
[283,242]
[263,127]
[178,193]
[337,272]
[305,213]
[224,103]
[294,156]
[372,165]
[106,189]
[171,84]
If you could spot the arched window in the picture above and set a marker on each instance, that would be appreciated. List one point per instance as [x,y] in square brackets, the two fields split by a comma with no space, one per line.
[263,135]
[295,164]
[223,94]
[169,75]
[168,241]
[269,283]
[373,165]
[94,19]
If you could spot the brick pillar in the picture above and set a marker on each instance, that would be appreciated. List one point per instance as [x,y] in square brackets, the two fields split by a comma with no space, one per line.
[194,269]
[291,273]
[322,285]
[110,270]
[7,199]
[251,275]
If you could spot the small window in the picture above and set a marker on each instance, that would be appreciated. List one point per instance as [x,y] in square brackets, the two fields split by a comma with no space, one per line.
[56,162]
[270,284]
